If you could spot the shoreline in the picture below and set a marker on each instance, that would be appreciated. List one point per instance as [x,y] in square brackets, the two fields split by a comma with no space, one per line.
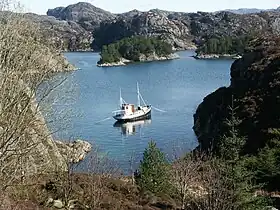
[216,56]
[142,59]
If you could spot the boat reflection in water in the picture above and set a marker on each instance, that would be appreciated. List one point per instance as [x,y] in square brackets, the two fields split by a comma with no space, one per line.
[131,128]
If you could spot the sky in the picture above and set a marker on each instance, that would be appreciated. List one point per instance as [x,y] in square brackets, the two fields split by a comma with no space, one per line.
[119,6]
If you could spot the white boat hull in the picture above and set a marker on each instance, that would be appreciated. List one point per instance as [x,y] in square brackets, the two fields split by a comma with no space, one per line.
[144,113]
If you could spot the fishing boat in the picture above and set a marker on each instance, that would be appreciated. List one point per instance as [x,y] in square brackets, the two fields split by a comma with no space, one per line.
[131,112]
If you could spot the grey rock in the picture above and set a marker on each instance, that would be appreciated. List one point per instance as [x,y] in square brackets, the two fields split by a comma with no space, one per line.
[65,35]
[49,202]
[271,208]
[83,27]
[276,26]
[75,204]
[151,23]
[84,13]
[58,204]
[74,152]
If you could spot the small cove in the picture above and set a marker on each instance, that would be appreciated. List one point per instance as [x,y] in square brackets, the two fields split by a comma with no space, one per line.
[176,86]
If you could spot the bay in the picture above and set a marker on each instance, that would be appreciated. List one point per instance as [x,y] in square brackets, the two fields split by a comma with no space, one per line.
[176,86]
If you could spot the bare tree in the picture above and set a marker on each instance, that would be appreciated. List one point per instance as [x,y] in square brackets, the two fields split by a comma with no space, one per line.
[185,175]
[201,183]
[25,63]
[132,169]
[99,168]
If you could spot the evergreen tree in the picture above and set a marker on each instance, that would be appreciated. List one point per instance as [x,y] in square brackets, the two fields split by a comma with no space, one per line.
[131,48]
[225,45]
[238,179]
[154,170]
[266,164]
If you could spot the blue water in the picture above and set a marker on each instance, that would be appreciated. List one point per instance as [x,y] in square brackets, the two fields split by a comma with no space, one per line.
[176,87]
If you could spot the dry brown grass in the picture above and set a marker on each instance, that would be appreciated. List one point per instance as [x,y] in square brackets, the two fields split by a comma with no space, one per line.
[114,193]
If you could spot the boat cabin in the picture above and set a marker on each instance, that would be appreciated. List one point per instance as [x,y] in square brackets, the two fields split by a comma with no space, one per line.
[128,109]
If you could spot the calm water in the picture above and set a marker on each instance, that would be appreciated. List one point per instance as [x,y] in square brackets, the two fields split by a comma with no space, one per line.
[176,86]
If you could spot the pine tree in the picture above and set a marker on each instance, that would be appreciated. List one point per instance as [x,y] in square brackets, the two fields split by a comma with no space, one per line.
[154,170]
[266,165]
[238,179]
[232,144]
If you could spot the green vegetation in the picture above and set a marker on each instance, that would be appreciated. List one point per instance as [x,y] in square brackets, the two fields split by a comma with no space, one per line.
[132,48]
[222,179]
[154,172]
[239,176]
[266,164]
[225,45]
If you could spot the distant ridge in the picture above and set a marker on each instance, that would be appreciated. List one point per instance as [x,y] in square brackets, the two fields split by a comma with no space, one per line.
[84,27]
[82,12]
[249,10]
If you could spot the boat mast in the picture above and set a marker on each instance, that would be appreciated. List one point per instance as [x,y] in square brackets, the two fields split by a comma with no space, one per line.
[121,100]
[138,96]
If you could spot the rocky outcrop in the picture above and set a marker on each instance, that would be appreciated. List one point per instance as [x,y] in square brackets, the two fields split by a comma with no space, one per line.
[273,20]
[87,15]
[155,57]
[121,62]
[206,25]
[253,93]
[64,35]
[75,151]
[216,56]
[48,155]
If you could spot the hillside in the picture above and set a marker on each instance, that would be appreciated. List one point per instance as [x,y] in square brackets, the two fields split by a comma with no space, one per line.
[87,15]
[83,26]
[255,91]
[146,24]
[65,35]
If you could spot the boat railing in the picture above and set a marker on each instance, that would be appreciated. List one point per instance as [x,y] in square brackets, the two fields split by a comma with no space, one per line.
[119,112]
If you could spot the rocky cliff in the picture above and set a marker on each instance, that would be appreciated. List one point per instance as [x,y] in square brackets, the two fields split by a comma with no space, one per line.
[152,23]
[76,26]
[179,29]
[64,35]
[87,15]
[253,93]
[207,25]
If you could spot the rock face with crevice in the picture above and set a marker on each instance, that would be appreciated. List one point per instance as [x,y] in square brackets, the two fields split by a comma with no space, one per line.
[255,88]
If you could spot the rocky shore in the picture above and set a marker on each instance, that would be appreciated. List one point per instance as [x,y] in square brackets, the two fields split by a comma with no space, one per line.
[216,56]
[75,151]
[142,58]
